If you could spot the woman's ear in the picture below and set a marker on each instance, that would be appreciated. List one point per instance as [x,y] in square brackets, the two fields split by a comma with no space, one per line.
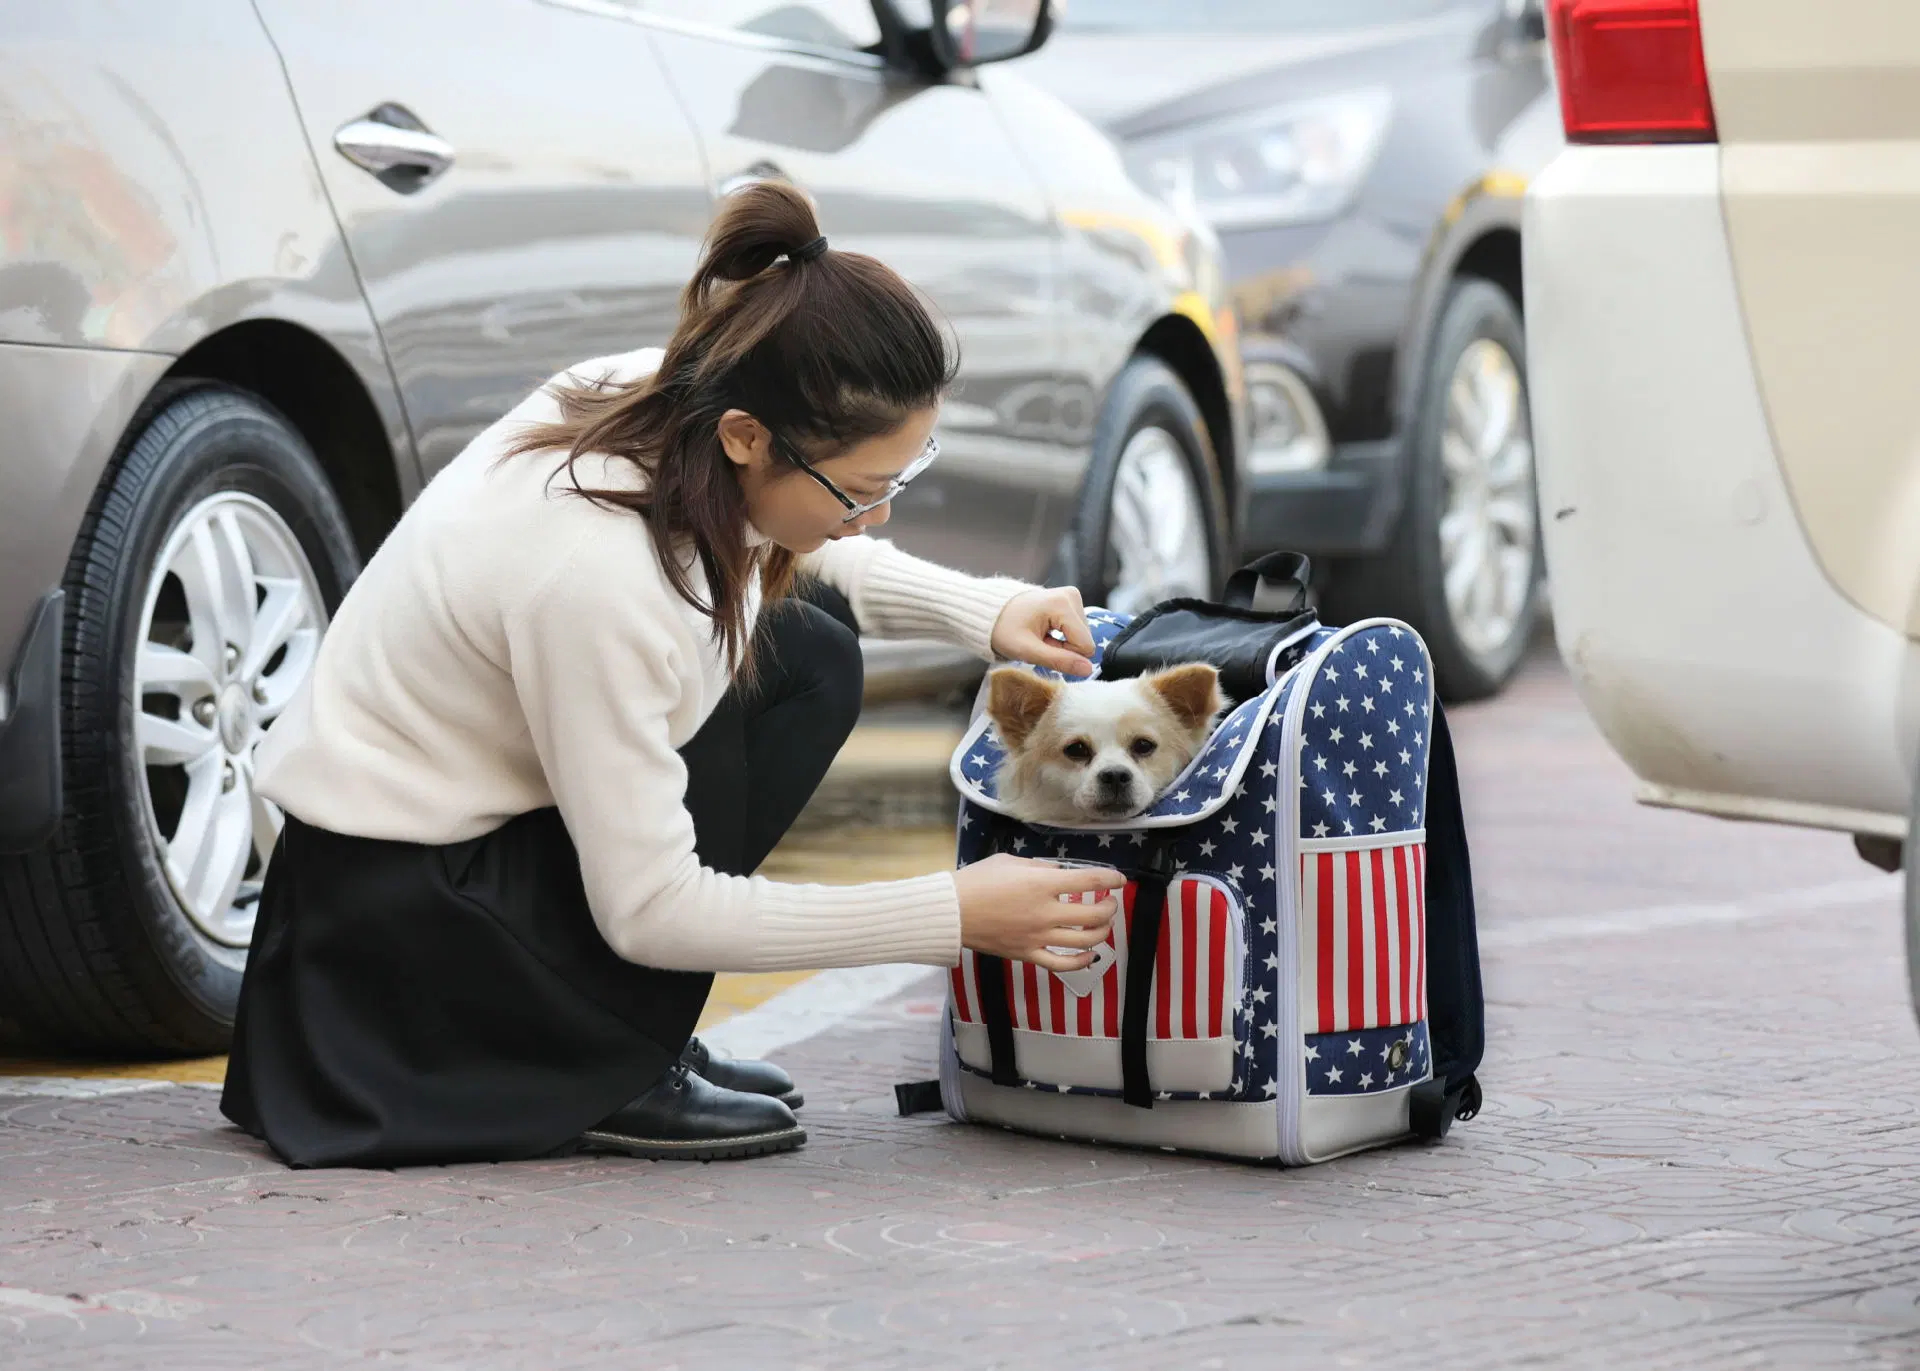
[744,438]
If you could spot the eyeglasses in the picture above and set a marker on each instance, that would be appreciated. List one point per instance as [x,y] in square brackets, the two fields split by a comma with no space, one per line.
[856,508]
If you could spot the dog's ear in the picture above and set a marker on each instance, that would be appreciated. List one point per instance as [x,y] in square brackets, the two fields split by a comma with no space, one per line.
[1016,700]
[1192,692]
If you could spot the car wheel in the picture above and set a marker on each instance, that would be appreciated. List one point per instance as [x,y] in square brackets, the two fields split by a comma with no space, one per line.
[1152,522]
[1466,566]
[198,589]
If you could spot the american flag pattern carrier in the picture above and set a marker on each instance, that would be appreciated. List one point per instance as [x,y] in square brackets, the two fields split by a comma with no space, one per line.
[1283,879]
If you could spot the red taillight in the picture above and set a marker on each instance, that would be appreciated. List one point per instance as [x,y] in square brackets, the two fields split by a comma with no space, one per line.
[1631,71]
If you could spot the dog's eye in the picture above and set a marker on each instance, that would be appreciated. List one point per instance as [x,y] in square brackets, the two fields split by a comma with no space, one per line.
[1144,747]
[1078,751]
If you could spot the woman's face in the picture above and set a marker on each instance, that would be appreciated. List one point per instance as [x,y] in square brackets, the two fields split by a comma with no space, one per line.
[796,511]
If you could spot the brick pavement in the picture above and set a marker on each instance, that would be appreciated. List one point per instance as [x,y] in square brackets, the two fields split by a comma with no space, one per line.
[1695,1154]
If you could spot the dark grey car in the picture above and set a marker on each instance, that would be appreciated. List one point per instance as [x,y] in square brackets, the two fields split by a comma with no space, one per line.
[265,267]
[1363,163]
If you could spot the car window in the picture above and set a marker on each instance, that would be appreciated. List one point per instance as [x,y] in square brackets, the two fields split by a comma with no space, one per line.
[820,23]
[1237,16]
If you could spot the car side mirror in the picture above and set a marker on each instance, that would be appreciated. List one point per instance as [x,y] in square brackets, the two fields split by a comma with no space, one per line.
[967,33]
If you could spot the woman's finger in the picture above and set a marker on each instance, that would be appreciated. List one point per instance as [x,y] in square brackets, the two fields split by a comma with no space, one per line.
[1054,961]
[1077,937]
[1060,659]
[1077,880]
[1073,625]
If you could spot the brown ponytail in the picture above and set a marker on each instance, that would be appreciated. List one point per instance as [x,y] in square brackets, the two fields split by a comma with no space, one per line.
[824,348]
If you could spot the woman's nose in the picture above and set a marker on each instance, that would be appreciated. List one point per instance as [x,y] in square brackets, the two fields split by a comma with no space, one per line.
[873,518]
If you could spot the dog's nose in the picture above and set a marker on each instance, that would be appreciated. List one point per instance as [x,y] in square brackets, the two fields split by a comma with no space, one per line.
[1117,779]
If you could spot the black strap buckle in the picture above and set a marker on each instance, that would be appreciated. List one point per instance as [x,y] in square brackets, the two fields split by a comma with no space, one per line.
[1432,1108]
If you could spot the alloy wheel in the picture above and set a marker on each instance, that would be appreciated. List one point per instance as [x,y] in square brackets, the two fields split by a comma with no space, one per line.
[230,626]
[1488,538]
[1157,528]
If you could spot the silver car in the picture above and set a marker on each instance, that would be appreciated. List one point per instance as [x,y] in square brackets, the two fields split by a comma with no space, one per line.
[265,267]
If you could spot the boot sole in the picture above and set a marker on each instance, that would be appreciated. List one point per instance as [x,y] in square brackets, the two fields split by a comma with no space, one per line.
[793,1099]
[694,1149]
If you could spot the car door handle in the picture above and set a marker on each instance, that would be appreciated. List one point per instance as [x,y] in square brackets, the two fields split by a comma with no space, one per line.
[403,153]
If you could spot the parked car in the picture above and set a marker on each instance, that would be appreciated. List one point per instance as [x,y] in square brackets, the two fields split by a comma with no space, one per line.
[1363,162]
[1725,324]
[265,267]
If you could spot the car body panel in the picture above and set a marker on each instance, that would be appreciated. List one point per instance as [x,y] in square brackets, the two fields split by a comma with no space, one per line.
[564,229]
[117,238]
[66,408]
[926,178]
[1126,262]
[1818,111]
[1705,638]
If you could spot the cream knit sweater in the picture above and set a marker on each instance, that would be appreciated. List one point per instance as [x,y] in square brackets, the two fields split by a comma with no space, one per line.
[513,646]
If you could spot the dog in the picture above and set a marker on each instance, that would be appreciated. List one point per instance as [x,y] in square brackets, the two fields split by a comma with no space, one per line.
[1097,751]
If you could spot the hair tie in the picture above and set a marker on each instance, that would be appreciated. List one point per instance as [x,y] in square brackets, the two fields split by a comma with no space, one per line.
[806,252]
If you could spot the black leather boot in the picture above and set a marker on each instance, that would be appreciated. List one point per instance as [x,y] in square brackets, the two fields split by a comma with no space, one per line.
[735,1073]
[688,1117]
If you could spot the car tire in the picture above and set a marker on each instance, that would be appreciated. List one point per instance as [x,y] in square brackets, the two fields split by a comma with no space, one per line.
[1152,521]
[197,589]
[1483,486]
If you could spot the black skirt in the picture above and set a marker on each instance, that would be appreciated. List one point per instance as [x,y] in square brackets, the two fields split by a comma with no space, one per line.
[410,1004]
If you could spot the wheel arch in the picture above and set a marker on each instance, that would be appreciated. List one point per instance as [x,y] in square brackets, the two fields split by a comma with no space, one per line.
[1178,341]
[317,390]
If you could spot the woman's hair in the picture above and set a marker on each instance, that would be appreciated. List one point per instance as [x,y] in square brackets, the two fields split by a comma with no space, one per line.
[824,348]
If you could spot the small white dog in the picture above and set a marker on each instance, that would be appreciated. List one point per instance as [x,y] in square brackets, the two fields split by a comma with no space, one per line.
[1097,751]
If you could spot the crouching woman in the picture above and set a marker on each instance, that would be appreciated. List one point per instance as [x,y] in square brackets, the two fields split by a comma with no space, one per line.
[577,696]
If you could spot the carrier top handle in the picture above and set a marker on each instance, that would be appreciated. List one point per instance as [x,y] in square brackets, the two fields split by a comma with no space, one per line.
[1288,572]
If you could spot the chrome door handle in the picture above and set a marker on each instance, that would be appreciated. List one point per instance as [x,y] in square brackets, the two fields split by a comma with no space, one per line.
[403,153]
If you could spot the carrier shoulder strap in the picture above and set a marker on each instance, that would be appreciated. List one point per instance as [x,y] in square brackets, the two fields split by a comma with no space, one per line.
[992,974]
[1143,949]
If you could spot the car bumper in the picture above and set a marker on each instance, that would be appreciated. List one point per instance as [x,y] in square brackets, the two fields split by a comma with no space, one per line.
[1710,648]
[1344,509]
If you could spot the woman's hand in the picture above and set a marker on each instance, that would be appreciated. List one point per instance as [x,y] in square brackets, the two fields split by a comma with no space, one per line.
[1020,633]
[1011,907]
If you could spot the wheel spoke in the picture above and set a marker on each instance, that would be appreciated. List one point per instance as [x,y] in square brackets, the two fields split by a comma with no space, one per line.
[172,742]
[186,850]
[225,855]
[164,670]
[1457,457]
[283,611]
[1463,569]
[1513,517]
[1496,392]
[216,570]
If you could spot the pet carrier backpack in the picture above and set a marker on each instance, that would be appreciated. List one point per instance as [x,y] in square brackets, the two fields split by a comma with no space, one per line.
[1295,974]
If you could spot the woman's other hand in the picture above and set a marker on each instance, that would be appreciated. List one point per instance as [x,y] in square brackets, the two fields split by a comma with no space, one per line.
[1012,907]
[1021,633]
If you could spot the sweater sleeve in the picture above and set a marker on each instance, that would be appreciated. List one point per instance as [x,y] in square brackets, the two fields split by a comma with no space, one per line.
[896,595]
[597,674]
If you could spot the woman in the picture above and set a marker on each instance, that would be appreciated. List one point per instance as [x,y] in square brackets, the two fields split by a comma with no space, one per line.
[552,730]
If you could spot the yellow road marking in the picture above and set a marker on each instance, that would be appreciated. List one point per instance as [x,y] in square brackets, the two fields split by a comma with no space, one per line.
[846,857]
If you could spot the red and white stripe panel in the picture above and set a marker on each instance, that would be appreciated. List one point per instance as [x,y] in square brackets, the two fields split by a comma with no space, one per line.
[1194,982]
[1363,937]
